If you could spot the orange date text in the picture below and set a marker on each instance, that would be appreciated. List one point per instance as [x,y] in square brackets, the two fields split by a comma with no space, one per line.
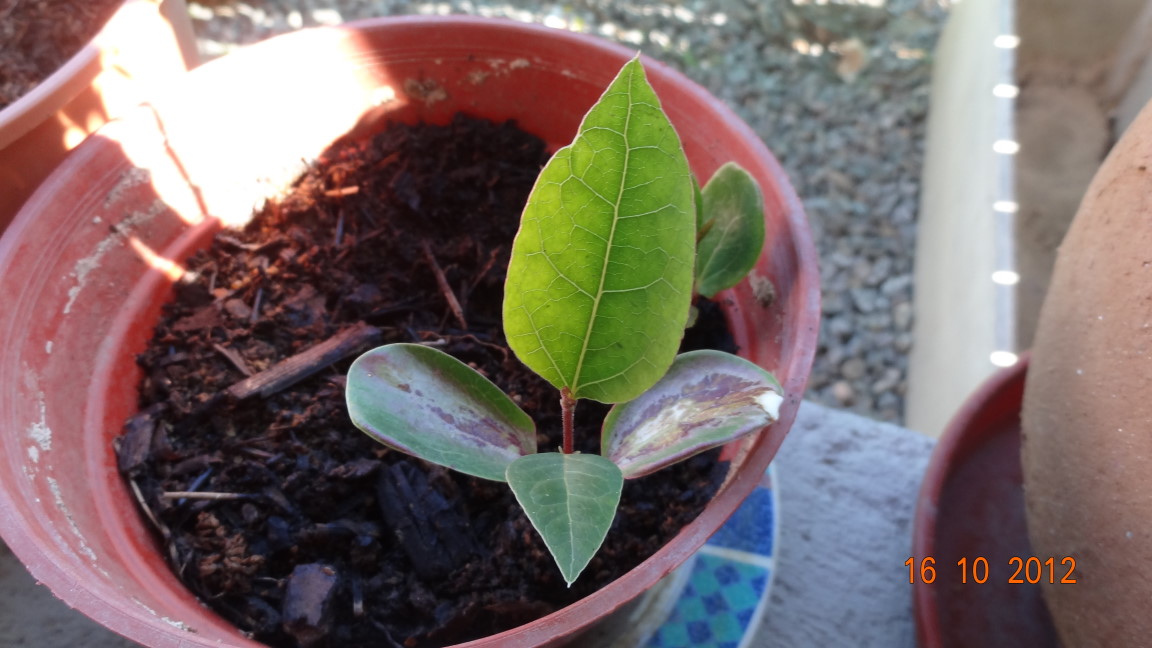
[1021,569]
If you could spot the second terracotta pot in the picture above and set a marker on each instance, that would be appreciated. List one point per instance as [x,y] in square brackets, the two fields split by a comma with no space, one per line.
[143,46]
[92,256]
[1088,407]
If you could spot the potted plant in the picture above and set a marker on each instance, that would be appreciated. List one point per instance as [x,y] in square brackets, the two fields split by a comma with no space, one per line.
[144,43]
[154,186]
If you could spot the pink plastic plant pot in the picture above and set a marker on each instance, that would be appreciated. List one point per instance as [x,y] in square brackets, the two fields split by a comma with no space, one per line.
[143,45]
[971,506]
[90,259]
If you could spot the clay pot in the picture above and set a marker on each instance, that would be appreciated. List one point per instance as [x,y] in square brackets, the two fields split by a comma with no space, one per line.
[143,45]
[91,258]
[970,522]
[1088,407]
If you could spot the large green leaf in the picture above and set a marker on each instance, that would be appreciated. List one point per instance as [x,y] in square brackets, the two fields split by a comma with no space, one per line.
[734,216]
[571,499]
[706,399]
[601,273]
[430,405]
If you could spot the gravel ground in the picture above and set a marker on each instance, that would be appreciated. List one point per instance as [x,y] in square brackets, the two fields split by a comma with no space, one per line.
[838,89]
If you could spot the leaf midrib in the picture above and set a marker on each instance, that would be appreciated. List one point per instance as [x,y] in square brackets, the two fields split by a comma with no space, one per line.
[611,240]
[571,517]
[728,228]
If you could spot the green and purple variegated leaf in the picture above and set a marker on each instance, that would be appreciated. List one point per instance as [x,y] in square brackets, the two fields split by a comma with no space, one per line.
[571,500]
[430,405]
[706,399]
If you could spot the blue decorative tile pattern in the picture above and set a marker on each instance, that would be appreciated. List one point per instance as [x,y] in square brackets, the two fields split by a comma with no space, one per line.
[750,527]
[720,606]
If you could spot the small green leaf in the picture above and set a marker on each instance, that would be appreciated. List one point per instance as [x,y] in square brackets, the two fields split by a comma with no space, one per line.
[571,499]
[734,207]
[601,273]
[707,398]
[430,405]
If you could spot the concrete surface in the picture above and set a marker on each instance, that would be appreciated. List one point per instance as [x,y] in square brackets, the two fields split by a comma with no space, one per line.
[847,491]
[31,616]
[847,487]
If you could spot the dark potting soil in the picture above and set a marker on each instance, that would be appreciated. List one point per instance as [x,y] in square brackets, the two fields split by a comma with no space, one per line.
[303,530]
[38,36]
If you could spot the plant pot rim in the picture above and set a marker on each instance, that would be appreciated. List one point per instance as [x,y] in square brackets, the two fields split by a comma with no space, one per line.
[756,454]
[978,434]
[961,435]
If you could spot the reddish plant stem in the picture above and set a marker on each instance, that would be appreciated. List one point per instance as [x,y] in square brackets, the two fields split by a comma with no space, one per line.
[568,409]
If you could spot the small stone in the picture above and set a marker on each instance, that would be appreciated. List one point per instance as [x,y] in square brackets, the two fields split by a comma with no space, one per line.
[839,326]
[902,315]
[881,269]
[307,609]
[903,342]
[853,369]
[843,392]
[887,382]
[864,300]
[888,401]
[894,286]
[853,58]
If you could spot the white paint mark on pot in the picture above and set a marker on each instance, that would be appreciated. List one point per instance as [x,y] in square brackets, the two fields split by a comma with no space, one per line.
[39,431]
[131,178]
[1079,372]
[179,625]
[85,266]
[48,346]
[63,508]
[34,454]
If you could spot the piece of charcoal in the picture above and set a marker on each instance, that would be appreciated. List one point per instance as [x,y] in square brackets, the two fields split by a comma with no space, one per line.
[136,442]
[434,534]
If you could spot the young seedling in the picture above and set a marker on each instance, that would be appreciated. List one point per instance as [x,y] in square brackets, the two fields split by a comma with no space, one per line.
[615,239]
